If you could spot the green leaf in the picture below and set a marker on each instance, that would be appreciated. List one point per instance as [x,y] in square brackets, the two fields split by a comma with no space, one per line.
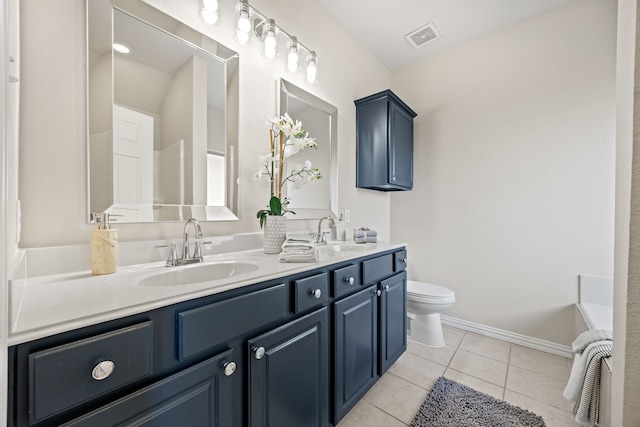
[276,206]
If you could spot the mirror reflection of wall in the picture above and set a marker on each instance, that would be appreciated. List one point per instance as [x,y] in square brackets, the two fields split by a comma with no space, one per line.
[315,199]
[164,146]
[315,194]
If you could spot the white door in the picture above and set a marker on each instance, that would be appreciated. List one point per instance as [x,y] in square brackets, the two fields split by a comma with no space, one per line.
[132,164]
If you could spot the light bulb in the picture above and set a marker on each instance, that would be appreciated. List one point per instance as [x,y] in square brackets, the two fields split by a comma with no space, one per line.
[270,41]
[242,37]
[244,24]
[269,53]
[312,68]
[209,17]
[210,5]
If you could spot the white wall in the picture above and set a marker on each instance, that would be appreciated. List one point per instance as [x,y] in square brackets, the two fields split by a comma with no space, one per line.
[514,169]
[53,131]
[626,343]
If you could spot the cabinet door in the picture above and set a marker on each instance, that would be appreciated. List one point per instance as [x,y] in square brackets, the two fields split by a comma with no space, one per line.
[400,147]
[356,348]
[199,396]
[393,319]
[288,374]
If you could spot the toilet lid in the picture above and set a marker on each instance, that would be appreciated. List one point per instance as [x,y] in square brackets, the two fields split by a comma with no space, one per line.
[430,292]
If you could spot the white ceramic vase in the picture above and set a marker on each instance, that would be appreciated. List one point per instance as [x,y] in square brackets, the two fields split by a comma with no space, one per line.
[275,233]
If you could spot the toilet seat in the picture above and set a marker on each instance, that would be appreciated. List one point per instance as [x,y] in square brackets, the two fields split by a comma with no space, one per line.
[429,293]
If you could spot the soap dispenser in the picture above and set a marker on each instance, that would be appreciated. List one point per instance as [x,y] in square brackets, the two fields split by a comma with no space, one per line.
[104,246]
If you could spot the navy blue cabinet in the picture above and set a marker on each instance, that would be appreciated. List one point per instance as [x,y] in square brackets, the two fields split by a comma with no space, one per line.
[356,349]
[384,143]
[288,374]
[299,350]
[393,320]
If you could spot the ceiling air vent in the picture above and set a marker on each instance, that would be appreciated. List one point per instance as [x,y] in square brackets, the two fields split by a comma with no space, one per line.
[423,35]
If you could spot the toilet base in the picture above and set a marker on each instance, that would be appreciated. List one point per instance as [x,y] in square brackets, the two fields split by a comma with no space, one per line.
[426,329]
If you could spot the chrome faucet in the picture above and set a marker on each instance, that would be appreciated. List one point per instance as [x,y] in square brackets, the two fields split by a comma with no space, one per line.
[320,237]
[197,255]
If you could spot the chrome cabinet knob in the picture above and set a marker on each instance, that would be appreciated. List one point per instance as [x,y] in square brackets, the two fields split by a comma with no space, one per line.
[349,280]
[317,293]
[258,352]
[386,288]
[102,370]
[378,292]
[229,368]
[404,261]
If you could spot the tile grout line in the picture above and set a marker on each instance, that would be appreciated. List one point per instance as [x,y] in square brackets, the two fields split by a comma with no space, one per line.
[506,377]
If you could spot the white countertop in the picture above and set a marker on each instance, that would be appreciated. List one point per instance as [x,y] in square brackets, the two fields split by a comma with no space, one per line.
[47,305]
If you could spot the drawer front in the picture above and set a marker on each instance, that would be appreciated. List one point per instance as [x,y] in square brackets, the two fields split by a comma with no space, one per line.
[62,377]
[311,291]
[400,261]
[197,396]
[346,280]
[376,269]
[204,327]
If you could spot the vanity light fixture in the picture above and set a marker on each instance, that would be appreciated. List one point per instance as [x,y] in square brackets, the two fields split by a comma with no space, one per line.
[248,20]
[312,68]
[209,12]
[243,23]
[293,58]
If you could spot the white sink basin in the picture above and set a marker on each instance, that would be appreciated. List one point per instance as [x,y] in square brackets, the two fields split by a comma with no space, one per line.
[197,273]
[346,247]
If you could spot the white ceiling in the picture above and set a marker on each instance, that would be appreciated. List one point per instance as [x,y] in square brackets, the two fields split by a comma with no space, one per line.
[382,24]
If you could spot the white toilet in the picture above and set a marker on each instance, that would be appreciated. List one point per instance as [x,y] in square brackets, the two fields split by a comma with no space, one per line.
[425,301]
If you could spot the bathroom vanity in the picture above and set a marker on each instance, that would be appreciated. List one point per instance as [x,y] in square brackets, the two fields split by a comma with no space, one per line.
[284,345]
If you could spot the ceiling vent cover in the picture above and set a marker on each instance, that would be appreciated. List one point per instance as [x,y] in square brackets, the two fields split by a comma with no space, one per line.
[423,35]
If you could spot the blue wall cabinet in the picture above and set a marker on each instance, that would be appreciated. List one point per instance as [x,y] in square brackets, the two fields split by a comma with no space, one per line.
[384,143]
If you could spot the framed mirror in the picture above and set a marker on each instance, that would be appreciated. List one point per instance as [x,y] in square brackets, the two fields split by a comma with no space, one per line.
[163,117]
[319,198]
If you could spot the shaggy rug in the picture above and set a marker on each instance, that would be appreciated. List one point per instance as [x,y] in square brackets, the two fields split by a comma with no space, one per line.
[451,404]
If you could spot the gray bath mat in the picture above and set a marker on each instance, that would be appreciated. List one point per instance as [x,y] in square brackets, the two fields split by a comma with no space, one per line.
[451,404]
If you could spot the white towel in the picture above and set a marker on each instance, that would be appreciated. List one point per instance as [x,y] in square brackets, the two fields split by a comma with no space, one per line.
[308,256]
[587,337]
[365,235]
[584,381]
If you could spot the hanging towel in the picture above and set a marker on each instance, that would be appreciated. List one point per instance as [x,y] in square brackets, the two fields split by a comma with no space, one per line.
[584,381]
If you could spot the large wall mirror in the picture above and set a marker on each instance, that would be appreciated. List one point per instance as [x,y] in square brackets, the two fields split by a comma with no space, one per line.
[163,117]
[320,198]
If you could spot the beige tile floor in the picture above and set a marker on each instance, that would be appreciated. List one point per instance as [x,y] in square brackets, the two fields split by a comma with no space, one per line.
[528,378]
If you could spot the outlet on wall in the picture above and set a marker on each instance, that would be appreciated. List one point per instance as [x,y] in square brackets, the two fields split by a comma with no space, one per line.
[347,215]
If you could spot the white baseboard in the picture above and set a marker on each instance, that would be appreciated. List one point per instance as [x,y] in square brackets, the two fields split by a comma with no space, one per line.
[512,337]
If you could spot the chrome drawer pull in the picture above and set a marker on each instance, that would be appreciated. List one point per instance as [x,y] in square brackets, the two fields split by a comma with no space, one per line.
[229,368]
[349,280]
[317,293]
[386,288]
[102,370]
[259,352]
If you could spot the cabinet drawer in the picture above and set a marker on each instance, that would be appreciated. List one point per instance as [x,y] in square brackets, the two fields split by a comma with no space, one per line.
[197,396]
[204,327]
[346,280]
[377,268]
[400,261]
[62,377]
[311,291]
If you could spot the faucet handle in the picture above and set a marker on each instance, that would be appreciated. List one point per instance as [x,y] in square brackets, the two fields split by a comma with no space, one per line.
[172,260]
[197,252]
